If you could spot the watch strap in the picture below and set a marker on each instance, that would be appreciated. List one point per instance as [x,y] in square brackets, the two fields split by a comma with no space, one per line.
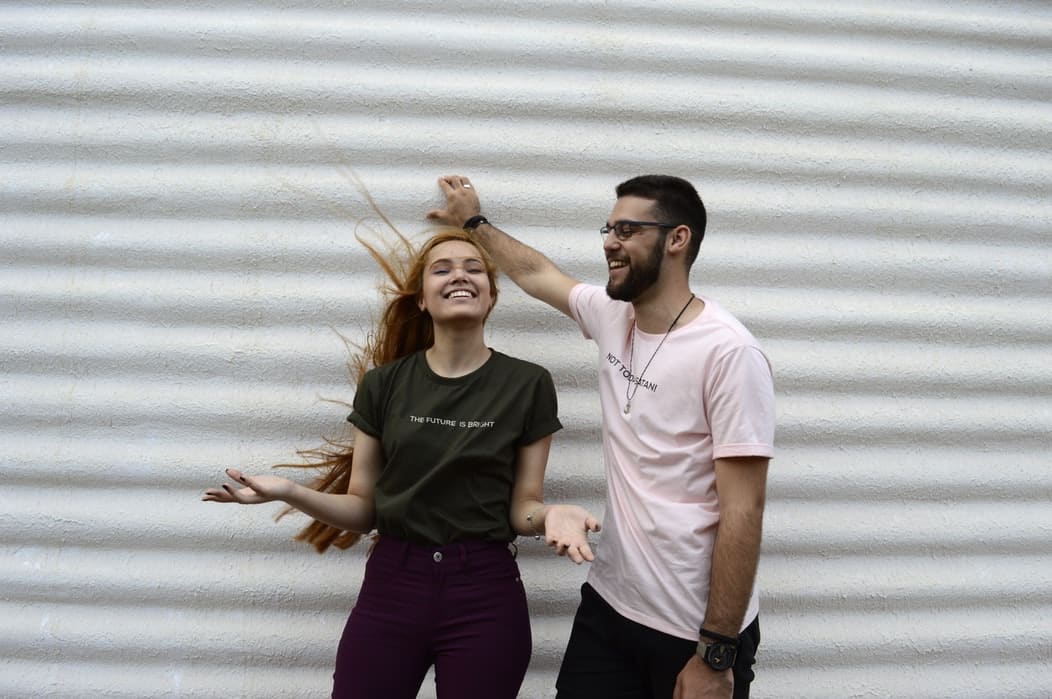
[718,636]
[474,222]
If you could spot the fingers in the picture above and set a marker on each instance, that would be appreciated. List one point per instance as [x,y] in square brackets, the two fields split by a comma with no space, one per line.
[586,553]
[576,552]
[457,189]
[567,550]
[449,183]
[580,553]
[225,493]
[461,201]
[222,494]
[236,475]
[241,478]
[215,495]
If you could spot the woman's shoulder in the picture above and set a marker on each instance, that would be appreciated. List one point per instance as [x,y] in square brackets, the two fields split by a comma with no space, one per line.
[392,368]
[506,362]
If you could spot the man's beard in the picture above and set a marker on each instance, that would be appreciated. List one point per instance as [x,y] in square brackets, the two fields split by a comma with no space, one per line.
[640,278]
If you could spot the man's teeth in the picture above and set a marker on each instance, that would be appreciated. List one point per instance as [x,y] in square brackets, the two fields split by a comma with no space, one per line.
[615,264]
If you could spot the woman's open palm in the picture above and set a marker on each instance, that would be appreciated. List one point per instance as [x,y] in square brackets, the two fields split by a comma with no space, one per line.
[250,490]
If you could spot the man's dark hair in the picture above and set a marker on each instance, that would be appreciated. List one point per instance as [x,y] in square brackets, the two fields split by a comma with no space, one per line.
[675,201]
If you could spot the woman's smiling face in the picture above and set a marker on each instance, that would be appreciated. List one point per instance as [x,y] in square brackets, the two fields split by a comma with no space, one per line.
[456,284]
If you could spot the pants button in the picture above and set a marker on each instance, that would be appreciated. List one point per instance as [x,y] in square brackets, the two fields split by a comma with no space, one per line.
[437,557]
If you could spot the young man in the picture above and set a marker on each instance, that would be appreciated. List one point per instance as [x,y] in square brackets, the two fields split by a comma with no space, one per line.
[669,608]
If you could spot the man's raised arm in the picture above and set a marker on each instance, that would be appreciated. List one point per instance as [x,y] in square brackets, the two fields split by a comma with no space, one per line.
[530,269]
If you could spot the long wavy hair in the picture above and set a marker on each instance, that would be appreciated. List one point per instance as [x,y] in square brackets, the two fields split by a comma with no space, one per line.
[402,330]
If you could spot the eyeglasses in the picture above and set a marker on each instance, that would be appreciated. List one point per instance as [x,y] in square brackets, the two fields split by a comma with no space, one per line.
[623,230]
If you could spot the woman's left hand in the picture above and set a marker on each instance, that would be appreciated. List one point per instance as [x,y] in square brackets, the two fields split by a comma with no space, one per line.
[566,530]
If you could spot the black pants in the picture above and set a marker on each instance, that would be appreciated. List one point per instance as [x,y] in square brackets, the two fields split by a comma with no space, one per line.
[613,657]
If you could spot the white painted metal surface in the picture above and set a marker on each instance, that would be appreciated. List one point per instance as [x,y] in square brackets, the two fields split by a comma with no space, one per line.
[176,254]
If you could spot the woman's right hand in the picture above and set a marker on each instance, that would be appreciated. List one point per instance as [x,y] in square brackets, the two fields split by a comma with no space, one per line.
[253,490]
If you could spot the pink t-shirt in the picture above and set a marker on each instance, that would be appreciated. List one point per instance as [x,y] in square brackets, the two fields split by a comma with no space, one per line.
[707,394]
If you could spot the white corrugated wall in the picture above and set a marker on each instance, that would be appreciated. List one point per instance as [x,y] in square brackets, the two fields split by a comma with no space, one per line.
[176,258]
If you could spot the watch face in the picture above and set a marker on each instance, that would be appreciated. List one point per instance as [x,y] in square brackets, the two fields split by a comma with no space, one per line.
[720,656]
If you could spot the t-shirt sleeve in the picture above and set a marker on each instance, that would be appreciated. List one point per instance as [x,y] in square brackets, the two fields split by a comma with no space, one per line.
[584,309]
[741,405]
[543,417]
[366,413]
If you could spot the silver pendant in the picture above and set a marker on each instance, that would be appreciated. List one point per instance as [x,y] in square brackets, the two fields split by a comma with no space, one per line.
[627,406]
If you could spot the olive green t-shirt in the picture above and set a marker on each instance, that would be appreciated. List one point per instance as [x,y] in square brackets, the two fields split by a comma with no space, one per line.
[450,444]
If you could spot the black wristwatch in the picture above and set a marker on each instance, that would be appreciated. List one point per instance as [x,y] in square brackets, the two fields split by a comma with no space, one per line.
[474,222]
[721,653]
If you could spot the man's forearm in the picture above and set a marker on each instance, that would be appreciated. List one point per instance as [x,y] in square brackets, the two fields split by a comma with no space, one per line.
[519,261]
[734,563]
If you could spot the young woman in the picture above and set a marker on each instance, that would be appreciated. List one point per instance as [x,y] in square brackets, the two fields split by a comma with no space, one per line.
[450,444]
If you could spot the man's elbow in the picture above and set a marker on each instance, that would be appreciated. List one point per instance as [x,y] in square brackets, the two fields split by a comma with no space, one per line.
[746,508]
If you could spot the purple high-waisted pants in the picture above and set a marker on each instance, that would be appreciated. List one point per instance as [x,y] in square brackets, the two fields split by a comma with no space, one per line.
[459,607]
